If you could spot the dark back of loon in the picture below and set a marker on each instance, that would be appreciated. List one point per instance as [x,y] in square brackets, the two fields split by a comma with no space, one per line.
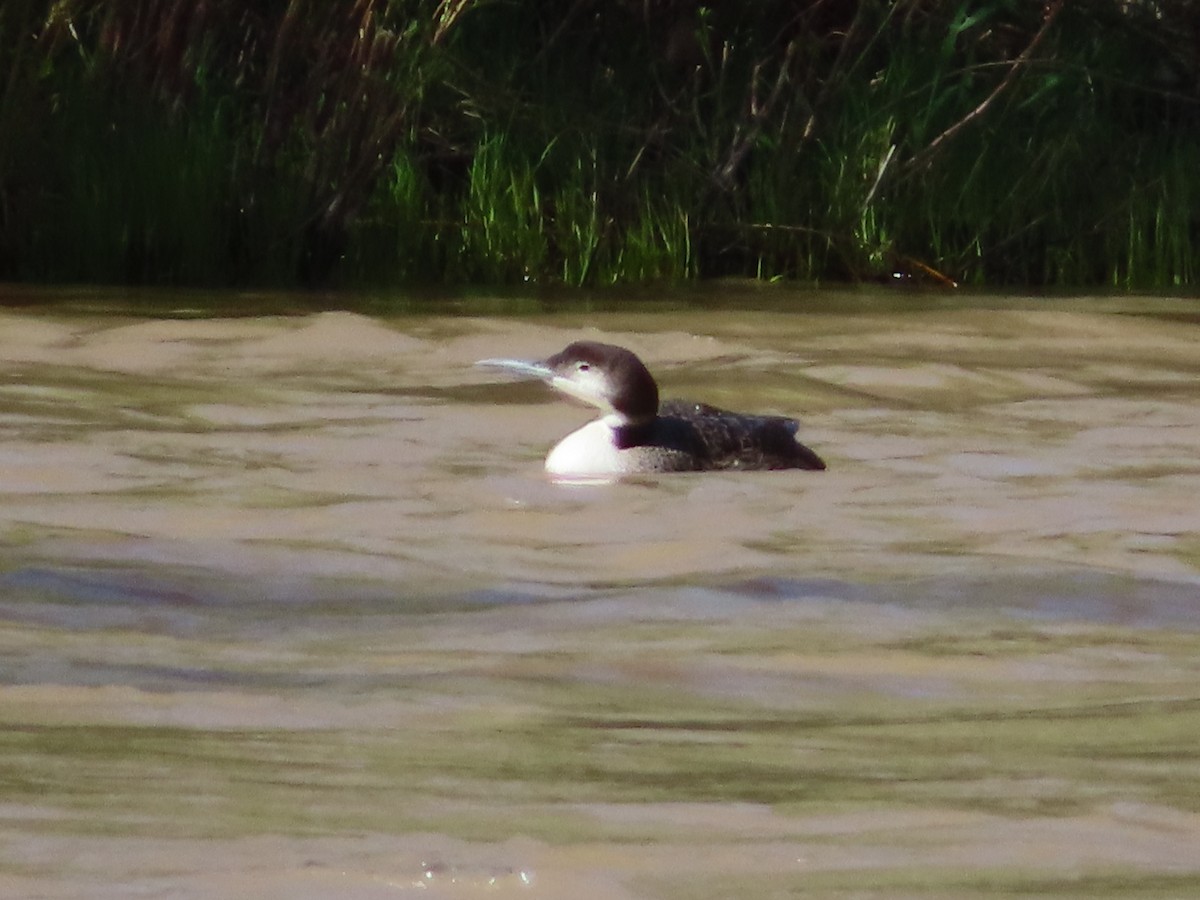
[729,440]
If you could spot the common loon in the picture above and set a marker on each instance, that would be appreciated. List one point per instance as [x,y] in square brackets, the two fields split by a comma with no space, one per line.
[635,434]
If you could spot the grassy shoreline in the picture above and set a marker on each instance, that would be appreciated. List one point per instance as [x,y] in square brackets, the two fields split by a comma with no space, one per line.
[400,142]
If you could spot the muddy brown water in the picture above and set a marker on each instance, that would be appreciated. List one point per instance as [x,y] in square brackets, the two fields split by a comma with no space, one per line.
[288,609]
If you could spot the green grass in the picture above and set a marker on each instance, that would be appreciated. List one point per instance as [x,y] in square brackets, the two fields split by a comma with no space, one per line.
[403,141]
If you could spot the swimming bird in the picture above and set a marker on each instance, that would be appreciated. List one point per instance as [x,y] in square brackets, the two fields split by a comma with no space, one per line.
[636,434]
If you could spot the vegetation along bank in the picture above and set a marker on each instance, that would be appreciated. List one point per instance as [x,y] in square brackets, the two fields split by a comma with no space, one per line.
[384,142]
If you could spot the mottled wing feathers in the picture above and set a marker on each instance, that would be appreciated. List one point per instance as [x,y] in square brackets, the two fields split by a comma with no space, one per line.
[737,441]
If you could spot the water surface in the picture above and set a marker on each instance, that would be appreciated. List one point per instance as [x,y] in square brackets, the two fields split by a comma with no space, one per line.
[287,608]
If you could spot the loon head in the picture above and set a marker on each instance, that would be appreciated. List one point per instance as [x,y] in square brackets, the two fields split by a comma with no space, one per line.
[605,376]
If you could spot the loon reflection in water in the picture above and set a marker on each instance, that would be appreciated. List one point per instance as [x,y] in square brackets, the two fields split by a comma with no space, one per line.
[635,434]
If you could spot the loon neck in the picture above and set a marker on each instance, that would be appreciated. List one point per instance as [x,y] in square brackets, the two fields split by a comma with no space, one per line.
[632,434]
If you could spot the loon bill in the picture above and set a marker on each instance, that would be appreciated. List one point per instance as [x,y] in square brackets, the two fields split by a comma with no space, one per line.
[635,434]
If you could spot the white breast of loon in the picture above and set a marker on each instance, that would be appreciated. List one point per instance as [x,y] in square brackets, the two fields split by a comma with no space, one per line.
[590,450]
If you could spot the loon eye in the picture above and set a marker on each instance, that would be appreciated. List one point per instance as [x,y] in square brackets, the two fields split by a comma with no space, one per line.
[582,367]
